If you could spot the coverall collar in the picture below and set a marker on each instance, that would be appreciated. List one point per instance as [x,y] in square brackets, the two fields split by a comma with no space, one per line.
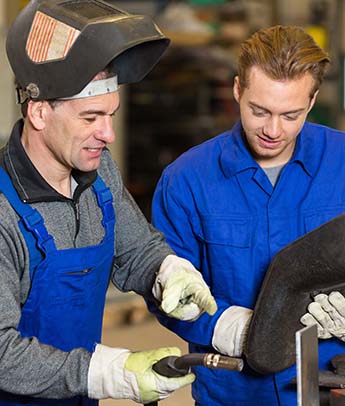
[237,159]
[28,182]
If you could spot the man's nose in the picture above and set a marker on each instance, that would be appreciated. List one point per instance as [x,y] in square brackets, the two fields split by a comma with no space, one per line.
[107,133]
[273,127]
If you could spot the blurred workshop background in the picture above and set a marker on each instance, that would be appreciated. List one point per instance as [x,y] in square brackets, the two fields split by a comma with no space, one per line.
[186,99]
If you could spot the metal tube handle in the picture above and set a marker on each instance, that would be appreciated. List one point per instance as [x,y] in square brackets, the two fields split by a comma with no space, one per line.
[173,366]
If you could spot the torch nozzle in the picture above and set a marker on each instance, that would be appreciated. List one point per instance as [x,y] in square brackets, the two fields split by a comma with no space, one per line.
[222,362]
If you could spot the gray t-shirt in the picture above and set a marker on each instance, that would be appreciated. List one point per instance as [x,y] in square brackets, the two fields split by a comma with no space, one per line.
[273,173]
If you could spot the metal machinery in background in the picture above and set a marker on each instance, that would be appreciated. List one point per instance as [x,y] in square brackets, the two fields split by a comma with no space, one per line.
[187,98]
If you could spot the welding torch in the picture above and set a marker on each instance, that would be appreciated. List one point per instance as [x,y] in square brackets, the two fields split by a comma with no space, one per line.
[173,366]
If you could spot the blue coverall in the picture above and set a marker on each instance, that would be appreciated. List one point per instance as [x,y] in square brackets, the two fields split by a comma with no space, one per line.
[67,296]
[218,209]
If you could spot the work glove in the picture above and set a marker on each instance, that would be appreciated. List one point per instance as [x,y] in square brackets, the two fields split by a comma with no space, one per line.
[230,333]
[328,313]
[182,291]
[121,374]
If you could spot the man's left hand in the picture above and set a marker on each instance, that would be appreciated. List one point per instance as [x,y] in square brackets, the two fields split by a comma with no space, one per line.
[328,313]
[183,293]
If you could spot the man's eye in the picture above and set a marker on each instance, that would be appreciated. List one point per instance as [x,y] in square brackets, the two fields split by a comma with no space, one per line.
[259,113]
[90,119]
[291,117]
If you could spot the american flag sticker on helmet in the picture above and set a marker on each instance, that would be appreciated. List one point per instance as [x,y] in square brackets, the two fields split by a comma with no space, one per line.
[49,39]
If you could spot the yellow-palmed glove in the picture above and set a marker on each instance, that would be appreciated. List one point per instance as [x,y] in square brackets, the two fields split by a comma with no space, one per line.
[182,290]
[121,374]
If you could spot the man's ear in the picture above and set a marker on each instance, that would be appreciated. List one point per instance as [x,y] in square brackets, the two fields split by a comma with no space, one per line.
[36,114]
[313,100]
[237,89]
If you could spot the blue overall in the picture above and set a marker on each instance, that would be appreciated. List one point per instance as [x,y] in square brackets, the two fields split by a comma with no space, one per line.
[69,313]
[217,208]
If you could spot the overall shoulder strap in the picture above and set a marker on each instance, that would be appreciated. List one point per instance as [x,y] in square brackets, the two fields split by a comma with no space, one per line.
[29,218]
[105,202]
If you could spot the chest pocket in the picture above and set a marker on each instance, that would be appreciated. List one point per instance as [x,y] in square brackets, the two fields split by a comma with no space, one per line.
[225,241]
[228,231]
[315,220]
[226,248]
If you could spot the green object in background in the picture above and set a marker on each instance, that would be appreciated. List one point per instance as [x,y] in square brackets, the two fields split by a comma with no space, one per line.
[206,2]
[342,83]
[322,114]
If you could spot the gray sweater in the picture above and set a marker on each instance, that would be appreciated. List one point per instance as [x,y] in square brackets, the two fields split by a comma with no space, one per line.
[26,366]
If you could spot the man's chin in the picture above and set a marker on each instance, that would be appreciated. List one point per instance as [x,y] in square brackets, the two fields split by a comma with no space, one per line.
[88,168]
[267,158]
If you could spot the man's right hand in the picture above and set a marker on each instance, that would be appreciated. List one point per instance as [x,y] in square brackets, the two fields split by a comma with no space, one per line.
[121,374]
[182,290]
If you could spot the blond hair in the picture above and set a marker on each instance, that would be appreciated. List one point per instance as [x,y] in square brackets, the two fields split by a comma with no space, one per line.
[283,53]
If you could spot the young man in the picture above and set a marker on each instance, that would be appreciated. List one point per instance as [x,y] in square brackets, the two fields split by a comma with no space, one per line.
[230,204]
[67,223]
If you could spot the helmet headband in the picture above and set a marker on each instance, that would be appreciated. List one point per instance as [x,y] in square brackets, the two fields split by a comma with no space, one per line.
[96,88]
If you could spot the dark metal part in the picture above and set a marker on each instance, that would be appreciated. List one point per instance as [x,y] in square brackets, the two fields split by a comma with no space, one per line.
[338,363]
[329,379]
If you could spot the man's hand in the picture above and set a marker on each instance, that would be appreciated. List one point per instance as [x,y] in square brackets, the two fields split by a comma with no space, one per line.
[120,374]
[183,293]
[328,313]
[230,333]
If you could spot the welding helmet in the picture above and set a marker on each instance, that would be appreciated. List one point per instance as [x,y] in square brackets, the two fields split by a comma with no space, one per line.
[56,47]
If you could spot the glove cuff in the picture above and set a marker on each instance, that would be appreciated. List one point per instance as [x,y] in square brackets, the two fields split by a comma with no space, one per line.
[230,332]
[106,376]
